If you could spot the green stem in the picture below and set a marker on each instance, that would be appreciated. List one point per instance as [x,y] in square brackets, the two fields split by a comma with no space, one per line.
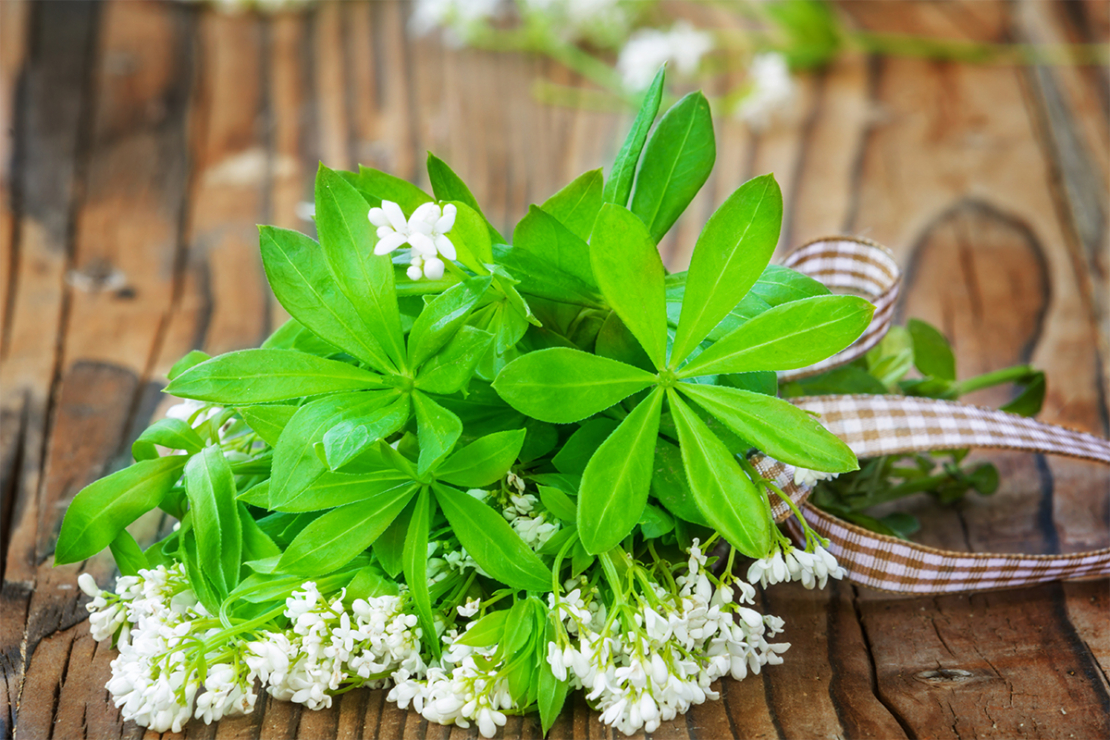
[1013,374]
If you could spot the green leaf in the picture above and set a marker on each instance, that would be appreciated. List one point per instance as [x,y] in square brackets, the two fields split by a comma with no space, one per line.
[452,367]
[257,545]
[258,495]
[728,259]
[471,237]
[195,357]
[199,581]
[630,275]
[267,421]
[376,186]
[338,489]
[334,539]
[932,355]
[776,427]
[101,510]
[267,375]
[655,522]
[670,487]
[551,693]
[296,464]
[437,428]
[616,342]
[541,438]
[677,162]
[441,318]
[298,272]
[543,235]
[841,380]
[728,500]
[539,276]
[1031,398]
[389,548]
[172,433]
[778,285]
[293,335]
[493,544]
[561,385]
[415,567]
[577,204]
[580,446]
[353,435]
[210,487]
[484,461]
[370,582]
[559,504]
[128,555]
[487,631]
[448,186]
[786,337]
[616,481]
[348,240]
[619,185]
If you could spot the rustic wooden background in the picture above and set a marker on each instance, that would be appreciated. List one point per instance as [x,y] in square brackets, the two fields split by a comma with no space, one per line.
[143,142]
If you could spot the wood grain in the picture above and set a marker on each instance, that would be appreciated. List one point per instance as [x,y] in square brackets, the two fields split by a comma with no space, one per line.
[148,139]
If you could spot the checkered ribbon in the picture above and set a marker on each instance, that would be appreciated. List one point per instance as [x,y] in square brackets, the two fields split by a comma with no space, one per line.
[889,425]
[849,265]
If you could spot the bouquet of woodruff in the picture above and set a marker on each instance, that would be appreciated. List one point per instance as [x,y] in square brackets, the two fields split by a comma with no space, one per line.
[475,474]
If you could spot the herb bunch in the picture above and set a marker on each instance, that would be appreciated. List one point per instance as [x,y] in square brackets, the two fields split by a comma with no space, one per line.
[481,474]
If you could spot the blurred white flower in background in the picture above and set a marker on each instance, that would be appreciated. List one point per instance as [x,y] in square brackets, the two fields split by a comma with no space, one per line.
[772,91]
[683,46]
[601,22]
[459,19]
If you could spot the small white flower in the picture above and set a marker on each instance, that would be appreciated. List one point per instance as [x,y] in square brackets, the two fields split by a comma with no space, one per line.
[425,231]
[469,609]
[649,49]
[810,478]
[772,90]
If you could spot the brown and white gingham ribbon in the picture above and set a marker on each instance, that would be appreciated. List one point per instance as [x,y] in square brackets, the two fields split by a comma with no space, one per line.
[888,425]
[850,265]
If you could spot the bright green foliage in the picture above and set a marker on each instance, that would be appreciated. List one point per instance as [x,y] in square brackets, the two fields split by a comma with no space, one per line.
[565,375]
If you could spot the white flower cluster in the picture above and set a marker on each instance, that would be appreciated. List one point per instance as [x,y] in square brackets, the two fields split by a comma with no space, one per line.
[455,559]
[425,231]
[647,50]
[649,671]
[600,22]
[526,520]
[463,688]
[155,614]
[772,90]
[155,680]
[811,568]
[810,478]
[188,409]
[460,19]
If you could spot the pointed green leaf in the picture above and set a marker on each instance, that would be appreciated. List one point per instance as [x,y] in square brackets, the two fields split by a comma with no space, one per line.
[195,357]
[296,464]
[580,446]
[577,204]
[559,504]
[448,186]
[551,693]
[778,285]
[631,275]
[453,366]
[334,539]
[437,428]
[443,316]
[786,337]
[619,185]
[677,162]
[101,510]
[415,567]
[301,280]
[616,481]
[348,238]
[776,427]
[544,236]
[561,385]
[729,257]
[471,238]
[932,355]
[670,487]
[257,545]
[726,497]
[376,186]
[487,631]
[267,421]
[339,489]
[267,375]
[210,487]
[128,555]
[484,461]
[493,544]
[174,434]
[389,548]
[354,434]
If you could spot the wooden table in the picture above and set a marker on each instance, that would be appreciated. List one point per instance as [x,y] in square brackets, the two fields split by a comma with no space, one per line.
[147,140]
